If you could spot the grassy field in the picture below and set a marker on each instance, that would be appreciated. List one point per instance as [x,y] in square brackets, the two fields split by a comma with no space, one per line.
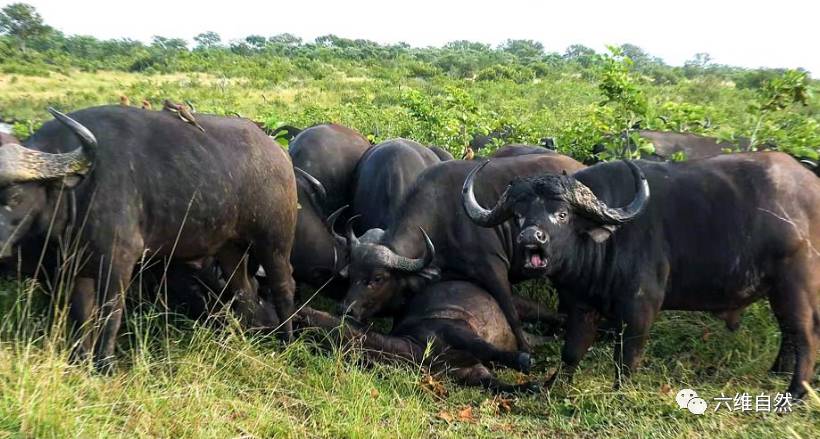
[177,378]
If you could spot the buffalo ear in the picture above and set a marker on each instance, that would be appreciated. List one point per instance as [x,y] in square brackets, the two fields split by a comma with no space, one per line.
[600,234]
[345,271]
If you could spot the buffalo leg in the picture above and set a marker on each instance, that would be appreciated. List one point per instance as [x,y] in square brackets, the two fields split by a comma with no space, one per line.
[798,314]
[82,307]
[462,338]
[282,287]
[784,363]
[377,346]
[479,375]
[636,317]
[234,263]
[499,288]
[580,334]
[113,282]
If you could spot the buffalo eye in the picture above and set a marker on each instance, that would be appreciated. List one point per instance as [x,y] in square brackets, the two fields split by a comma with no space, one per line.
[562,215]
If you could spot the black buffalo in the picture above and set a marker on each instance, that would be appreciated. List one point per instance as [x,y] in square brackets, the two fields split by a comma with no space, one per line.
[383,176]
[670,145]
[516,150]
[325,158]
[442,153]
[467,329]
[135,184]
[330,153]
[287,132]
[480,141]
[716,235]
[385,266]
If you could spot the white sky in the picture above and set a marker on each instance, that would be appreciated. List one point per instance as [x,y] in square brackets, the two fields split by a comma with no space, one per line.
[783,33]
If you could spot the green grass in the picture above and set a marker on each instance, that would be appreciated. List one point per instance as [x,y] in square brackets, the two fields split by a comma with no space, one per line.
[177,378]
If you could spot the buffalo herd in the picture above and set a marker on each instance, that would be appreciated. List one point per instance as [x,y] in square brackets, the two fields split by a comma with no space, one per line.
[402,230]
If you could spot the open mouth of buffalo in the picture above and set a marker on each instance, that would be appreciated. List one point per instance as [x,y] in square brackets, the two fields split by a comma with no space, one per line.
[535,257]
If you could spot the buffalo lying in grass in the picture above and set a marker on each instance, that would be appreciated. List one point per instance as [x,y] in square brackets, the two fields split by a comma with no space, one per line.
[465,325]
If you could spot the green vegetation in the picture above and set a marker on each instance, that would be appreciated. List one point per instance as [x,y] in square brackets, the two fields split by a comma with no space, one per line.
[177,378]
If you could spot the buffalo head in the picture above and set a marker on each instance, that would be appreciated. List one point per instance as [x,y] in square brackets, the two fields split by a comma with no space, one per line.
[553,213]
[320,228]
[27,175]
[378,275]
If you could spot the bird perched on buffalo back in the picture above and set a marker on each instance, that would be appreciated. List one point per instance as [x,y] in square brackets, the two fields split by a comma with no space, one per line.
[183,112]
[146,105]
[124,101]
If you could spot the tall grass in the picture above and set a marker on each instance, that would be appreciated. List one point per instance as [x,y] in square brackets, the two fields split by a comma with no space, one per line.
[180,378]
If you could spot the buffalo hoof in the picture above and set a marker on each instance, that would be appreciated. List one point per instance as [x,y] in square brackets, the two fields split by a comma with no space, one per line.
[797,391]
[523,362]
[532,388]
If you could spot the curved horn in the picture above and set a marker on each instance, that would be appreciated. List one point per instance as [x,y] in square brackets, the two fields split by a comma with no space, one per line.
[390,259]
[352,240]
[583,198]
[20,164]
[331,222]
[480,215]
[87,138]
[314,183]
[808,163]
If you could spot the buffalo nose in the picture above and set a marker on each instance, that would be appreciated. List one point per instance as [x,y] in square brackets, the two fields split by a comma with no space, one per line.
[533,235]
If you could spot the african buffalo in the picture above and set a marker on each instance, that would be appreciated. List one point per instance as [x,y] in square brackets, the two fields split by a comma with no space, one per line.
[287,132]
[516,150]
[330,153]
[462,321]
[135,184]
[386,265]
[7,138]
[442,153]
[716,235]
[688,146]
[480,141]
[383,176]
[318,254]
[324,158]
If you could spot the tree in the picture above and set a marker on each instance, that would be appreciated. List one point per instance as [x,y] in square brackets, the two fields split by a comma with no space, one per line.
[207,40]
[581,54]
[23,22]
[701,60]
[639,57]
[174,44]
[523,49]
[285,39]
[256,41]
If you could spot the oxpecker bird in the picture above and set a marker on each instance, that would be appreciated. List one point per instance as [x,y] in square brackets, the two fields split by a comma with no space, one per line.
[183,112]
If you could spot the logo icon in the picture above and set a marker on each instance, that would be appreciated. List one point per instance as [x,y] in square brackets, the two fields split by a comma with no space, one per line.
[688,399]
[697,406]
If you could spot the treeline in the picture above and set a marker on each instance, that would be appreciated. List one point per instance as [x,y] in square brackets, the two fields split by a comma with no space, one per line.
[436,95]
[29,46]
